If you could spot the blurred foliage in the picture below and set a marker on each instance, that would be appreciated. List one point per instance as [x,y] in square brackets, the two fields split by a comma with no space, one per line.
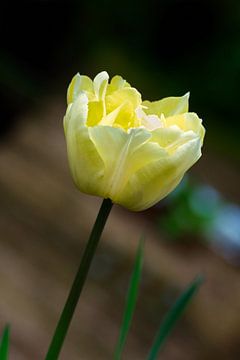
[197,212]
[4,344]
[173,315]
[191,210]
[131,300]
[224,233]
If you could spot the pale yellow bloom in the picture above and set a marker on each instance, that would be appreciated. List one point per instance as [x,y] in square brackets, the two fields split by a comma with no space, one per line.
[119,147]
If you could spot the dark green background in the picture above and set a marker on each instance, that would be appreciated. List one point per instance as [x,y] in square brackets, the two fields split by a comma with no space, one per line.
[161,47]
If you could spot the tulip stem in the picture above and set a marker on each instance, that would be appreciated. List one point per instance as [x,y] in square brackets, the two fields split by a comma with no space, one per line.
[78,283]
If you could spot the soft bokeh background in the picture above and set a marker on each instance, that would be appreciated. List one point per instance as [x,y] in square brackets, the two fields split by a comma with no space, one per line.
[162,48]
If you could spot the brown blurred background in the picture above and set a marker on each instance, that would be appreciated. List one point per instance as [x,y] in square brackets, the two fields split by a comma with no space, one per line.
[162,48]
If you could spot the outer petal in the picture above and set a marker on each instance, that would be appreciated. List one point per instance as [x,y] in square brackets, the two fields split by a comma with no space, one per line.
[76,114]
[79,84]
[173,137]
[85,163]
[168,106]
[154,181]
[186,122]
[123,154]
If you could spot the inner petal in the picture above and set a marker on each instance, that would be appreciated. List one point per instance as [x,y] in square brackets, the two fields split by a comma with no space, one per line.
[150,122]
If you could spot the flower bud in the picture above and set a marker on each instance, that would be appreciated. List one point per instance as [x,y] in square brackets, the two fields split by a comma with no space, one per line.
[119,147]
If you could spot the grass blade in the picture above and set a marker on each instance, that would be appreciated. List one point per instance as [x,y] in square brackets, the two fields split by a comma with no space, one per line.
[4,344]
[172,316]
[130,301]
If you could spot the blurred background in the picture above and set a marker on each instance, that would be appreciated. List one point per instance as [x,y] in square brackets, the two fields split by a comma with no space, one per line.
[163,48]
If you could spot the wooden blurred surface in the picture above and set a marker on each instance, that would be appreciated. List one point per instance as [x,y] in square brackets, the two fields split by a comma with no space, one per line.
[44,224]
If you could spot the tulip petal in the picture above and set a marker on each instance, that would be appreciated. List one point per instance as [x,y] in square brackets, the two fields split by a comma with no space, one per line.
[171,138]
[168,106]
[117,83]
[117,149]
[150,122]
[154,181]
[76,114]
[127,100]
[120,96]
[87,169]
[100,83]
[96,111]
[79,84]
[186,122]
[111,118]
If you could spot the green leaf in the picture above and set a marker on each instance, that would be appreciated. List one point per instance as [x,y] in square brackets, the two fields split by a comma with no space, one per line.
[4,344]
[172,316]
[130,301]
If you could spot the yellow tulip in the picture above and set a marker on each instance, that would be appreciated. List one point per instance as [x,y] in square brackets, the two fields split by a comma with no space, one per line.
[119,147]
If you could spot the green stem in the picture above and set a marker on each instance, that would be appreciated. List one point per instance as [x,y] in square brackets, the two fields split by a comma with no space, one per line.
[77,286]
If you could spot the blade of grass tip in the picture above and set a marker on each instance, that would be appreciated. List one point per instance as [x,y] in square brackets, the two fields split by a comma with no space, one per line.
[172,316]
[4,344]
[130,300]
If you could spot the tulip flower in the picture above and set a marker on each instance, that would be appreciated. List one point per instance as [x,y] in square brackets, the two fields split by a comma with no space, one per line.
[131,151]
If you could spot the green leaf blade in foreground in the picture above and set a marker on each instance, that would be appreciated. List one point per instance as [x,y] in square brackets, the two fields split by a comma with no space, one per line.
[130,301]
[172,317]
[4,344]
